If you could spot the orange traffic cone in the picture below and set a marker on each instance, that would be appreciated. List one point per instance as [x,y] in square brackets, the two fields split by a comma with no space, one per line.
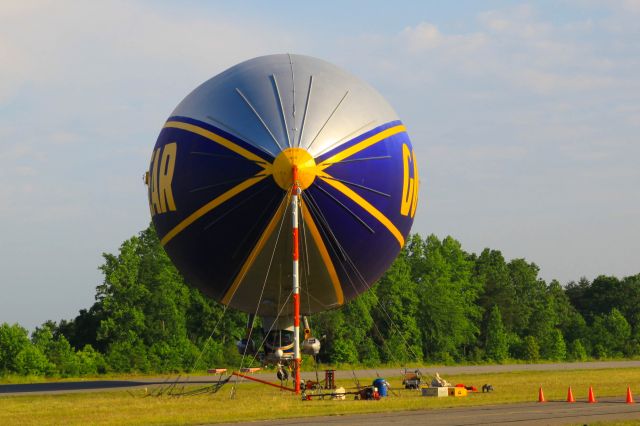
[570,397]
[629,396]
[541,395]
[592,397]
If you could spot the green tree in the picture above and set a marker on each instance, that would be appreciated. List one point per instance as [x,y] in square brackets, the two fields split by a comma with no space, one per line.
[122,296]
[605,293]
[496,344]
[599,351]
[531,349]
[448,313]
[577,294]
[574,327]
[396,313]
[31,361]
[168,296]
[64,357]
[491,271]
[357,315]
[577,351]
[13,339]
[90,361]
[344,351]
[128,357]
[535,315]
[42,337]
[57,350]
[554,346]
[338,347]
[561,306]
[83,329]
[611,333]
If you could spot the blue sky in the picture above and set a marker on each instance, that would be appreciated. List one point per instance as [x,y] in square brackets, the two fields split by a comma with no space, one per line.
[525,118]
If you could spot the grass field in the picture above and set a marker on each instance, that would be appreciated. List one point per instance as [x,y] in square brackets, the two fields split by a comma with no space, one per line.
[253,401]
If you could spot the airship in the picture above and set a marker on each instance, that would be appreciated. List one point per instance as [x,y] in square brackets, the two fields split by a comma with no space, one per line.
[283,187]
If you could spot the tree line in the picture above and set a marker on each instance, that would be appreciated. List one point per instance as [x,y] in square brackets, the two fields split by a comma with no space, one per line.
[436,304]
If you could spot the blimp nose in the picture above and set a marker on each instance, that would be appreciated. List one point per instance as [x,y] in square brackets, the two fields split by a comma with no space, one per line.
[284,164]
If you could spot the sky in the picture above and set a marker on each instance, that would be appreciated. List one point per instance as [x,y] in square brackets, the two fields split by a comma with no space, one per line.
[525,118]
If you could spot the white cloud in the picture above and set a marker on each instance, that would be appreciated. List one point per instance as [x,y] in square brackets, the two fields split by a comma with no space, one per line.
[13,69]
[519,21]
[422,36]
[76,44]
[426,36]
[25,171]
[549,82]
[632,6]
[63,137]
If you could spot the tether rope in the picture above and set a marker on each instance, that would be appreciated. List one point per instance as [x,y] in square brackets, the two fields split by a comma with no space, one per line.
[264,284]
[214,388]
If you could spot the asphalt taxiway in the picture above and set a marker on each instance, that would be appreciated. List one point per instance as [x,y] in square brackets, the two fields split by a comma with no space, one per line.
[550,413]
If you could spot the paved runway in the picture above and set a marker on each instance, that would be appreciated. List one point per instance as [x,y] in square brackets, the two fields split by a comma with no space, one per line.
[95,385]
[479,369]
[550,413]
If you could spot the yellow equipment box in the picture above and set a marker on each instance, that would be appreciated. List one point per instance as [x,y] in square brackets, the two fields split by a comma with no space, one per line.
[457,392]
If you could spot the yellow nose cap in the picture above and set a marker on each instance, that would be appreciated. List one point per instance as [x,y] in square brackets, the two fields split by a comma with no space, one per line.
[283,168]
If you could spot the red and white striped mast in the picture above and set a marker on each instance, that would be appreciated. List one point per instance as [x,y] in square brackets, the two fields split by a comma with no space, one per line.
[295,193]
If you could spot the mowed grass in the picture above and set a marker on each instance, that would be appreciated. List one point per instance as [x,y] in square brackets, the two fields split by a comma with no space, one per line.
[254,401]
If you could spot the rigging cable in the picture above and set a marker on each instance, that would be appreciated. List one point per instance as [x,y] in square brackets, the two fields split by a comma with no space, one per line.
[264,284]
[394,326]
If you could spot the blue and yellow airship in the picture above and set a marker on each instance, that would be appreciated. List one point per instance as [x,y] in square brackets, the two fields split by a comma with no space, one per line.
[220,184]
